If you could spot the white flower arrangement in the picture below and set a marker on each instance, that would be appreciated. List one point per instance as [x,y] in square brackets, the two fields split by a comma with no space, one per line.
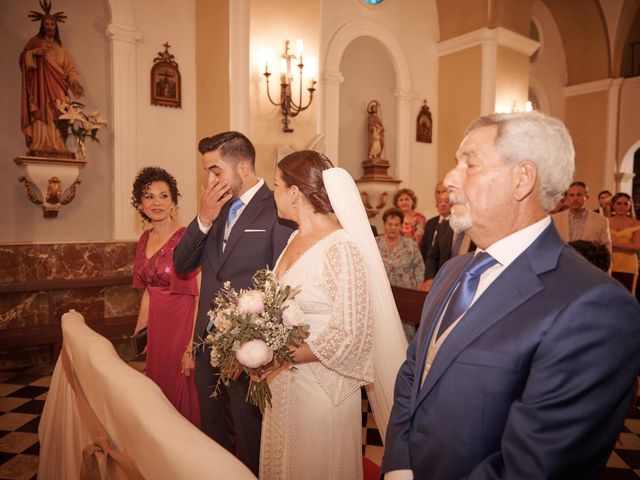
[74,121]
[253,329]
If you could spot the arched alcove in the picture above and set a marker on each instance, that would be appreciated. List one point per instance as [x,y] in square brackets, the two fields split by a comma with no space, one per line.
[333,77]
[368,75]
[626,173]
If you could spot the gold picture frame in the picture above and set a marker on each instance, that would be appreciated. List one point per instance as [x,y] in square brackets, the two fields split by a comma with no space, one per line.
[166,84]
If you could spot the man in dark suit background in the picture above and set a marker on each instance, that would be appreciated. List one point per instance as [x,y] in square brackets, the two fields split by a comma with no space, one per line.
[431,227]
[235,233]
[444,244]
[525,363]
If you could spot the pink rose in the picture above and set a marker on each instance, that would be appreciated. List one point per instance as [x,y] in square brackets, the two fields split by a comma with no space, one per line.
[251,302]
[254,354]
[292,315]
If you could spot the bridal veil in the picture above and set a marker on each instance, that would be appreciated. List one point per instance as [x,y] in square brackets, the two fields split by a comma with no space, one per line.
[389,341]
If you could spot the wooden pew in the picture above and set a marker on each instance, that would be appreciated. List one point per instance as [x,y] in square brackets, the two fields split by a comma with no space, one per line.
[409,303]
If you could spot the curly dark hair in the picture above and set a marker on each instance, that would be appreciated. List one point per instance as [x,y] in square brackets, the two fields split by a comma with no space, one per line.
[596,253]
[393,212]
[304,170]
[405,191]
[146,177]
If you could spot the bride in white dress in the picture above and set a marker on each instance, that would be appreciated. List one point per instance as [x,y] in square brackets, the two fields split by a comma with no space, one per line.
[313,430]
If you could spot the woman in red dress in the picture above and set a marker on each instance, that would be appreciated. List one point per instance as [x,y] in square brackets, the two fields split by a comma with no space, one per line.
[169,300]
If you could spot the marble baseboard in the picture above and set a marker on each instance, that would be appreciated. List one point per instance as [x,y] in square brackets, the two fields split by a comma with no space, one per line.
[33,263]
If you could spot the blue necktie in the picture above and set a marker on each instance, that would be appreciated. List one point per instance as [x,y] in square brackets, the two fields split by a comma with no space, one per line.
[461,298]
[236,205]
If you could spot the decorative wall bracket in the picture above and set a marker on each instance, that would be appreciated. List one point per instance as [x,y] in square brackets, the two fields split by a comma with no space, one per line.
[50,182]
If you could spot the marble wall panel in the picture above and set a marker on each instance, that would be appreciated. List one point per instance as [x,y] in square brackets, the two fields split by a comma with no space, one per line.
[88,301]
[121,301]
[118,259]
[76,261]
[32,263]
[23,309]
[9,264]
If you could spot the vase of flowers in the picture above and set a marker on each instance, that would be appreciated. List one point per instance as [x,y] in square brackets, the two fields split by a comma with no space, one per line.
[74,121]
[252,330]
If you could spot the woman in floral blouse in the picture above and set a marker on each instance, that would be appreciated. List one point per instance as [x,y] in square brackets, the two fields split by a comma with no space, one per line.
[401,256]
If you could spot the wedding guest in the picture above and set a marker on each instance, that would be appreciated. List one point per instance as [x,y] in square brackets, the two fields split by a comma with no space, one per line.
[413,225]
[625,235]
[400,255]
[169,300]
[402,259]
[313,429]
[48,73]
[604,203]
[235,233]
[578,222]
[595,253]
[431,226]
[525,362]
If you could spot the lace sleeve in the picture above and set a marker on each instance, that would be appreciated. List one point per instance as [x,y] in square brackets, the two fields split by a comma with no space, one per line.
[345,347]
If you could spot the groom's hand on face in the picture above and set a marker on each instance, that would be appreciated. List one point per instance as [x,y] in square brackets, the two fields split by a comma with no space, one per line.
[214,195]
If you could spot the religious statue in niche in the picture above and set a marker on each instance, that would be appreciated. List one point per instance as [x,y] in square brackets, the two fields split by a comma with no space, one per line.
[376,131]
[48,74]
[165,80]
[375,167]
[424,124]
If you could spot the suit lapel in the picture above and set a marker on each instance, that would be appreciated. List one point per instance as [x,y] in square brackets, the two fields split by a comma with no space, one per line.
[517,284]
[431,312]
[217,235]
[246,218]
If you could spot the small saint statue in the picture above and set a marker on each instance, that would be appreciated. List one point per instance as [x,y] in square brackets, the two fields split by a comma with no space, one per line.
[376,132]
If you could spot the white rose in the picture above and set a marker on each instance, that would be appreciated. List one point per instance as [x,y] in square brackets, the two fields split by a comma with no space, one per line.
[292,315]
[254,354]
[251,302]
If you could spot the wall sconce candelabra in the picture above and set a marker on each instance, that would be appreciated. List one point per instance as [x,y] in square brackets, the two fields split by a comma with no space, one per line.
[288,107]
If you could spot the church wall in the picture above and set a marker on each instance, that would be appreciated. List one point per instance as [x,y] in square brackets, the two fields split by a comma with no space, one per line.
[167,136]
[548,69]
[512,78]
[212,74]
[459,92]
[586,119]
[90,215]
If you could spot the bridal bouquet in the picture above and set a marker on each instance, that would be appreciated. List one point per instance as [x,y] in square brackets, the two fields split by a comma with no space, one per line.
[252,330]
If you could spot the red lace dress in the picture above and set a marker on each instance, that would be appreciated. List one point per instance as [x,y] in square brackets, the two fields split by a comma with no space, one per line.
[171,310]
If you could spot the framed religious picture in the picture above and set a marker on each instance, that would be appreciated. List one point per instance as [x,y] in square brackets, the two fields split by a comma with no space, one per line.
[165,80]
[424,124]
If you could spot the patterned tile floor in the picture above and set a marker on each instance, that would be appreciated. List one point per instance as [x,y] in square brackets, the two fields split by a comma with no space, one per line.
[23,392]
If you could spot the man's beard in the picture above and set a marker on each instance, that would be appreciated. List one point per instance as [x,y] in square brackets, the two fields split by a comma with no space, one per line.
[460,222]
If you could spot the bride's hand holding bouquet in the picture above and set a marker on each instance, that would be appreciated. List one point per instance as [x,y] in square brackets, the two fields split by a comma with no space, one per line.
[254,331]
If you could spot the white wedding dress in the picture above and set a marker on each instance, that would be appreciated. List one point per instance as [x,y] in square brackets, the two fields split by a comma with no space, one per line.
[313,430]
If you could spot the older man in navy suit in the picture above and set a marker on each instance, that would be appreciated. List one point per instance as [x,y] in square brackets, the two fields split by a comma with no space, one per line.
[235,233]
[526,358]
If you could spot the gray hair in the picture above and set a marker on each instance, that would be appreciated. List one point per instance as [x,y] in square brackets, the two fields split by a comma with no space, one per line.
[537,138]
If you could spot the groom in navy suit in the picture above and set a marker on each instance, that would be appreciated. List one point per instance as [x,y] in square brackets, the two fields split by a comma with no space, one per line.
[235,233]
[525,361]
